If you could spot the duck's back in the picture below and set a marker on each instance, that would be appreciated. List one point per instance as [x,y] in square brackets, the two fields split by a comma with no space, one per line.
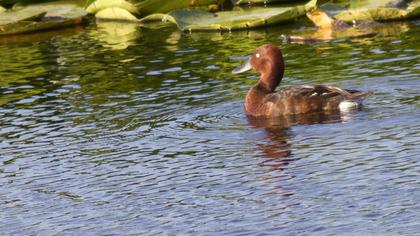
[300,99]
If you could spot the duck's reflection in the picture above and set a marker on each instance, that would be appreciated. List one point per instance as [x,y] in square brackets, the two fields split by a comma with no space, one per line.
[276,143]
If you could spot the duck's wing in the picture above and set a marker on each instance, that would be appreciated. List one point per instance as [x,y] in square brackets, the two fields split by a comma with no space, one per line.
[307,98]
[317,90]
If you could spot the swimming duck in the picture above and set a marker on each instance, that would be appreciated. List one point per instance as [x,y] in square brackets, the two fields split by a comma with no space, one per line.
[263,100]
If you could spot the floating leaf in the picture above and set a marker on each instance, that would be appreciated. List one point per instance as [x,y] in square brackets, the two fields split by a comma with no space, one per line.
[13,17]
[99,5]
[40,17]
[10,3]
[381,13]
[359,4]
[147,7]
[32,26]
[115,13]
[190,19]
[413,10]
[259,2]
[54,9]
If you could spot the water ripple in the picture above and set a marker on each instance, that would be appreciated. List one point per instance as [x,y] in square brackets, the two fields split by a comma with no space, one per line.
[153,140]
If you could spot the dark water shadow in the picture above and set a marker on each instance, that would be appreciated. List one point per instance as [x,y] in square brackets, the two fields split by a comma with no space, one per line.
[36,37]
[276,145]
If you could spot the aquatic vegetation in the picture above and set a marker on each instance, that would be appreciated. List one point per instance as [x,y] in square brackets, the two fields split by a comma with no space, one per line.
[115,13]
[148,7]
[99,5]
[36,17]
[328,28]
[381,13]
[192,20]
[194,15]
[113,10]
[265,2]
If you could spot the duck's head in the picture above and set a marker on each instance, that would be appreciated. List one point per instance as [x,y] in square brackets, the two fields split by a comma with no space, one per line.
[268,61]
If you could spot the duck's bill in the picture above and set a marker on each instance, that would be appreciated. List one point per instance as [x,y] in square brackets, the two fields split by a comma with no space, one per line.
[245,67]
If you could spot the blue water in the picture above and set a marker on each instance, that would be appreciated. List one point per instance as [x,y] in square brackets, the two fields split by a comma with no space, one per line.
[144,133]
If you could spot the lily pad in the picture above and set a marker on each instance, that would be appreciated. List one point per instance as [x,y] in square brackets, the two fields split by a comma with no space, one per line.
[115,13]
[147,7]
[190,19]
[99,5]
[260,2]
[54,9]
[381,13]
[13,17]
[358,4]
[40,17]
[32,26]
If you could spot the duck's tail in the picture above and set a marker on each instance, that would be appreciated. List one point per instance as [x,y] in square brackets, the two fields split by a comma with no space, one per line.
[349,94]
[352,98]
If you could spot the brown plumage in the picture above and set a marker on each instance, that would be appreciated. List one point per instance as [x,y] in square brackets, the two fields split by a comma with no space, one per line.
[263,100]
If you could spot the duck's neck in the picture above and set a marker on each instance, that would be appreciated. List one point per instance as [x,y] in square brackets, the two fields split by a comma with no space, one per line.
[269,81]
[255,99]
[267,85]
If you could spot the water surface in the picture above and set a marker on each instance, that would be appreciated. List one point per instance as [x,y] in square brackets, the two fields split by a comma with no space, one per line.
[143,132]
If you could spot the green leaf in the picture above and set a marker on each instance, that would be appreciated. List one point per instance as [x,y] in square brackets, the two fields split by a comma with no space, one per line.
[99,5]
[14,3]
[147,7]
[32,26]
[54,9]
[13,17]
[40,17]
[259,2]
[115,13]
[2,9]
[189,19]
[381,13]
[413,10]
[359,4]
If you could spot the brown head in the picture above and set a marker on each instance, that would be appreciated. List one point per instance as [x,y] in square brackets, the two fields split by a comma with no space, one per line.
[268,61]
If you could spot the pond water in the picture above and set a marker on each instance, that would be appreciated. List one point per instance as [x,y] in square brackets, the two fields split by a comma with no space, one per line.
[127,131]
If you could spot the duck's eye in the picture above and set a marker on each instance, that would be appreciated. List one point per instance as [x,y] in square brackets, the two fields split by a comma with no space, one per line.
[257,55]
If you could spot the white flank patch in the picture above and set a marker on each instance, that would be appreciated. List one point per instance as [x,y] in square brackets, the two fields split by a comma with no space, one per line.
[348,105]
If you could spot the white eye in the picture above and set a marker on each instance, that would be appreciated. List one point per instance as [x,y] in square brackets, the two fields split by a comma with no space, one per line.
[257,55]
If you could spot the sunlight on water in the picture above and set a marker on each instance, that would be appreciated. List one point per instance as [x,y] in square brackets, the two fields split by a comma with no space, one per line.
[144,133]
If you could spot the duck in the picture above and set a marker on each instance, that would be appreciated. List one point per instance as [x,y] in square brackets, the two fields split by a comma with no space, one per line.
[262,100]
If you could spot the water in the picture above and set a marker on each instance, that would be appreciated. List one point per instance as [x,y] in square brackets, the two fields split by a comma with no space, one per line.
[144,133]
